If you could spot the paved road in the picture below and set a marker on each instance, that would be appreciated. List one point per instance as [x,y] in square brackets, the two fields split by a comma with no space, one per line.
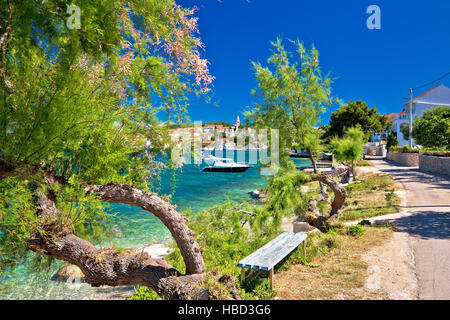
[428,201]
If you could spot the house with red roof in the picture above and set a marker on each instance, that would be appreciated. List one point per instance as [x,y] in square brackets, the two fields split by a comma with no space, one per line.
[438,96]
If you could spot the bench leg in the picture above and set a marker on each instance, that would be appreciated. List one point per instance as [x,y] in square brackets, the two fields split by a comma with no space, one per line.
[271,278]
[304,248]
[242,274]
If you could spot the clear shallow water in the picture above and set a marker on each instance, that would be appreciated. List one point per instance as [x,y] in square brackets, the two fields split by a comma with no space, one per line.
[194,190]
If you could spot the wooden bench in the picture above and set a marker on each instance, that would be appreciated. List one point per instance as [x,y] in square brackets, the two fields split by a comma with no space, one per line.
[272,253]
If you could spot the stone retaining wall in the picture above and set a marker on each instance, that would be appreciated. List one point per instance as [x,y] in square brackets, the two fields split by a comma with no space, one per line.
[434,164]
[404,159]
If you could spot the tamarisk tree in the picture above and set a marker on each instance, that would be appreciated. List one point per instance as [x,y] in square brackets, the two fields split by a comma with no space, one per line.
[77,108]
[350,148]
[291,96]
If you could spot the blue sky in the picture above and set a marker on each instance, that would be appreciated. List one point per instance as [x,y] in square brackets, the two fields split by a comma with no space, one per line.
[378,66]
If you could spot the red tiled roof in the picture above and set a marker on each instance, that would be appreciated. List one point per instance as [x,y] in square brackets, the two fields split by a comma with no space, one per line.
[391,116]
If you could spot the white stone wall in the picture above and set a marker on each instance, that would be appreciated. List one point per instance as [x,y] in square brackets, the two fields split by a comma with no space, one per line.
[434,164]
[404,159]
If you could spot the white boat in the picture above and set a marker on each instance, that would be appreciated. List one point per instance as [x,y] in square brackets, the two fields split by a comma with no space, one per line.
[223,165]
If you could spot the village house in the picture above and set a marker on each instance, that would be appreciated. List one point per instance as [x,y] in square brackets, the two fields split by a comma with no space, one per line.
[433,98]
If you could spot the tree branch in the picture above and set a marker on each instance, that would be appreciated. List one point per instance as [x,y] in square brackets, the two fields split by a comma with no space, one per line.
[172,219]
[109,266]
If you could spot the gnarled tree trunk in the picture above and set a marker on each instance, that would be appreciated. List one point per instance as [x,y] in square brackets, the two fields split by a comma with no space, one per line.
[166,212]
[112,267]
[323,188]
[340,195]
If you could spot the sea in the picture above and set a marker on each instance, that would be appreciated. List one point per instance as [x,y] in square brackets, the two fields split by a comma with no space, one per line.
[190,190]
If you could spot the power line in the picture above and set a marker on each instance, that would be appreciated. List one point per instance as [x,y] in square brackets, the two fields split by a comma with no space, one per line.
[425,85]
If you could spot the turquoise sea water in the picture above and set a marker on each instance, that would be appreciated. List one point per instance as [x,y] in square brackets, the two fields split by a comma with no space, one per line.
[193,190]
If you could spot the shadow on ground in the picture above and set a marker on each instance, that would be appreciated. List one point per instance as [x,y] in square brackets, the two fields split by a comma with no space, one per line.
[426,224]
[404,174]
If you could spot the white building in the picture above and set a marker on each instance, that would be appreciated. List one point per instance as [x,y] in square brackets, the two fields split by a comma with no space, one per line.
[433,98]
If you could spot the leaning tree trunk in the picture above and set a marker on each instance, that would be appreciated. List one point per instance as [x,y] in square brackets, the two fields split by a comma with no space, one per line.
[323,188]
[353,170]
[166,212]
[340,195]
[112,267]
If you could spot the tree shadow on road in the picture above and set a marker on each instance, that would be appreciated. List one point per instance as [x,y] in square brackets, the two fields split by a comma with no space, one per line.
[435,181]
[426,224]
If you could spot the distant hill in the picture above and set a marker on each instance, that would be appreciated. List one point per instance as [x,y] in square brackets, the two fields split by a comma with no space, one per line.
[220,123]
[184,125]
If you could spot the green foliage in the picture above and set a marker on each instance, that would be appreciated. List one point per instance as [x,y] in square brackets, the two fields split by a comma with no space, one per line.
[364,163]
[330,240]
[407,149]
[230,232]
[369,198]
[285,194]
[356,230]
[353,114]
[392,140]
[144,293]
[83,103]
[255,288]
[365,223]
[291,96]
[350,148]
[404,129]
[390,195]
[378,182]
[432,130]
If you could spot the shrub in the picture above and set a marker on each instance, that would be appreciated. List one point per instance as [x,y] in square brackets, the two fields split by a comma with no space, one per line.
[144,293]
[392,140]
[390,195]
[356,230]
[365,223]
[330,240]
[407,149]
[432,129]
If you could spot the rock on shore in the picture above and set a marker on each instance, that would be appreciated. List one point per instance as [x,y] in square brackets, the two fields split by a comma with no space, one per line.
[68,272]
[156,251]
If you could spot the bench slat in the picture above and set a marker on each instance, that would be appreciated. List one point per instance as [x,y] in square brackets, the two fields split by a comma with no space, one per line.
[252,259]
[280,255]
[273,252]
[276,250]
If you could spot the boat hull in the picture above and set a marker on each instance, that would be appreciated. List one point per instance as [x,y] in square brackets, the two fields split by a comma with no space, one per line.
[302,156]
[231,169]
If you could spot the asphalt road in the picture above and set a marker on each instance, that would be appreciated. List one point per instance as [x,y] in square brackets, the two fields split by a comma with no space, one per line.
[428,225]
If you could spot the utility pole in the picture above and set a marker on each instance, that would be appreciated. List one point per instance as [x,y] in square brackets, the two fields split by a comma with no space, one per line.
[410,118]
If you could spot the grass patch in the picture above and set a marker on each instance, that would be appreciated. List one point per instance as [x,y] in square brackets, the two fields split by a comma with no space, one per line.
[338,270]
[364,163]
[371,197]
[144,293]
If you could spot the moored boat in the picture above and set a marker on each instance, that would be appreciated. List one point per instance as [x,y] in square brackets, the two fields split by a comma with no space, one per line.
[224,165]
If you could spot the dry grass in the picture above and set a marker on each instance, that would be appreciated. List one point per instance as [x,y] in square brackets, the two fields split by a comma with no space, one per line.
[372,196]
[338,274]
